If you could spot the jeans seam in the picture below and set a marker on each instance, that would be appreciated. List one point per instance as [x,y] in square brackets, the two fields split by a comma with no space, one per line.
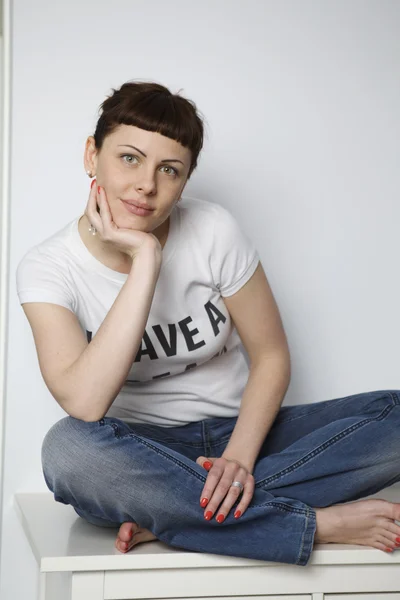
[170,442]
[206,439]
[395,398]
[319,406]
[321,448]
[282,506]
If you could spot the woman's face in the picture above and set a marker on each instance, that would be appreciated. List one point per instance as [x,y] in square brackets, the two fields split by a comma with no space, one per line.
[139,166]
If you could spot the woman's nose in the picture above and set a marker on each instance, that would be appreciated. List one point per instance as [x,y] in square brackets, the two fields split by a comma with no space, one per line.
[146,183]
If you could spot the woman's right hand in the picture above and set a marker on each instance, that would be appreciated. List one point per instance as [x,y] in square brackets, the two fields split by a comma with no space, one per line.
[129,241]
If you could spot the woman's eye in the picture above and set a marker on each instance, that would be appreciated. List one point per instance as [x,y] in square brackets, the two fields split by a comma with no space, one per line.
[172,171]
[129,156]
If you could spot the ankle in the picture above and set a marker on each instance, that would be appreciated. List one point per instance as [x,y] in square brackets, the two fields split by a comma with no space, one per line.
[327,522]
[319,518]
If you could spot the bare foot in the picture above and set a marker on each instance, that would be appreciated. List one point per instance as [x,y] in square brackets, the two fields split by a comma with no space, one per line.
[365,522]
[130,535]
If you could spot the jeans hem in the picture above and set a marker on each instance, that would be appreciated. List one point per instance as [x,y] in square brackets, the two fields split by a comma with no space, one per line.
[307,541]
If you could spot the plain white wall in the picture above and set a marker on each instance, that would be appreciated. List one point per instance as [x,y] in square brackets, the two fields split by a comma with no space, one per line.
[302,107]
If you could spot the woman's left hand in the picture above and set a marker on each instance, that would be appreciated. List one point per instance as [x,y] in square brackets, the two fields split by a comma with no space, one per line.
[218,487]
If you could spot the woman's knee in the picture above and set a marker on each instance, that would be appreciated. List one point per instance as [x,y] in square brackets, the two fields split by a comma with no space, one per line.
[65,449]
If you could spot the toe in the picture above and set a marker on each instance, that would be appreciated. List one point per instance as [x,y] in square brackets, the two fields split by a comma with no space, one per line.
[392,540]
[387,541]
[393,528]
[126,531]
[395,509]
[121,546]
[381,546]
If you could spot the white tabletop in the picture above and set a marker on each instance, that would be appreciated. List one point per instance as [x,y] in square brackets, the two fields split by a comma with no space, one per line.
[62,541]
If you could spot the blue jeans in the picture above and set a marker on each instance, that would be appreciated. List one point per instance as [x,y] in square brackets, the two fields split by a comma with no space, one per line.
[315,455]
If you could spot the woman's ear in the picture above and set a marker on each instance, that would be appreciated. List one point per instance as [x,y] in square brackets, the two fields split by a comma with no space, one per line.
[90,156]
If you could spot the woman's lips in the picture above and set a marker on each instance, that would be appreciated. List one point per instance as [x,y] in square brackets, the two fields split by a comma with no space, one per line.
[135,210]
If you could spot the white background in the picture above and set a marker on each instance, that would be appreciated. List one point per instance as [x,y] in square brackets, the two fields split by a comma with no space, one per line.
[301,99]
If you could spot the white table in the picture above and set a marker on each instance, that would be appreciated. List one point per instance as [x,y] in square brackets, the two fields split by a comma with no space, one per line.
[78,561]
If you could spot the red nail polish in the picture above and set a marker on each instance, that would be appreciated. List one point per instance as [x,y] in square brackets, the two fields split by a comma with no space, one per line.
[389,550]
[130,534]
[204,502]
[98,189]
[208,515]
[92,184]
[238,514]
[220,518]
[207,465]
[398,539]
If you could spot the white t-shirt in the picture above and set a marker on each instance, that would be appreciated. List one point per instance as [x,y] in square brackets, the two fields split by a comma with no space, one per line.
[190,365]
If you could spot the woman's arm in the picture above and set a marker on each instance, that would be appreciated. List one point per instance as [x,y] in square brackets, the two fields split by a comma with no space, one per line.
[257,320]
[262,398]
[256,316]
[86,378]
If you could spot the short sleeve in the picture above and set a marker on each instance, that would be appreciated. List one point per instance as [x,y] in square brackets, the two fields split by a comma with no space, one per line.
[41,279]
[234,257]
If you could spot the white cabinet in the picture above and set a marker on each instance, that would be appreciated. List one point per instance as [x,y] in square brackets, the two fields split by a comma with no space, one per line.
[86,557]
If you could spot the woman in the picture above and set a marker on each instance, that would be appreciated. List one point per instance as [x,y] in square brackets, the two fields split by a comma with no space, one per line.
[137,310]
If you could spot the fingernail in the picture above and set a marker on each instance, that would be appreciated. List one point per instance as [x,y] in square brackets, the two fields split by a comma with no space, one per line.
[389,550]
[130,534]
[220,518]
[204,502]
[208,515]
[207,465]
[92,184]
[98,189]
[398,539]
[237,514]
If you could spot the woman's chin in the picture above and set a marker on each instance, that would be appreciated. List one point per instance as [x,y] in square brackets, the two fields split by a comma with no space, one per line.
[130,222]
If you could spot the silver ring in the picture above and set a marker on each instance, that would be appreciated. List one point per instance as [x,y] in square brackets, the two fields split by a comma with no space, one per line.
[92,230]
[238,484]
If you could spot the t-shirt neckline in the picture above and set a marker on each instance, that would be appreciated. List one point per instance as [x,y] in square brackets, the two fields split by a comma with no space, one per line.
[96,265]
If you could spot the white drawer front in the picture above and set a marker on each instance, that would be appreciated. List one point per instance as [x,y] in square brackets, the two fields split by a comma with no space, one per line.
[374,596]
[290,597]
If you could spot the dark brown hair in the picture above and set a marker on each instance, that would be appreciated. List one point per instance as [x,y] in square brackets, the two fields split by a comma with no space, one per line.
[153,107]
